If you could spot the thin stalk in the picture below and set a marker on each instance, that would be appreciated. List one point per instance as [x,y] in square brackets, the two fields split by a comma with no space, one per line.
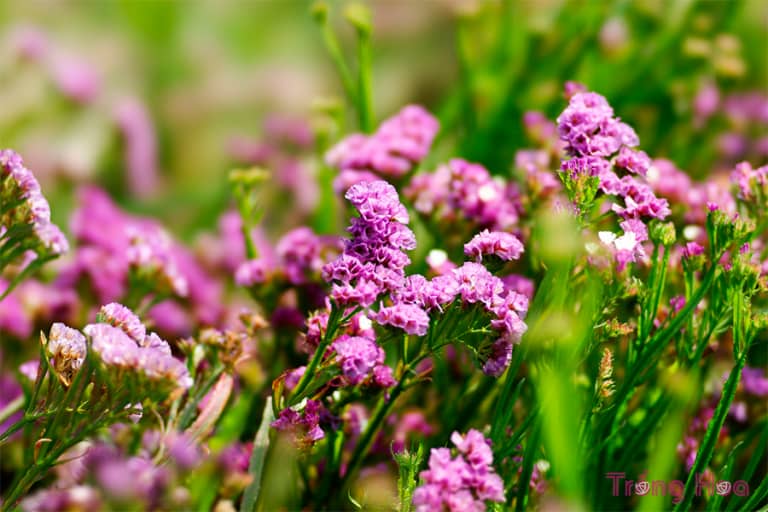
[309,373]
[11,408]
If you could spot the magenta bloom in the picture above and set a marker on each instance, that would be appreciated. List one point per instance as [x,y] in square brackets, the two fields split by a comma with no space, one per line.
[461,483]
[505,246]
[23,204]
[123,318]
[397,146]
[754,381]
[588,127]
[357,357]
[67,349]
[692,249]
[373,260]
[304,425]
[408,317]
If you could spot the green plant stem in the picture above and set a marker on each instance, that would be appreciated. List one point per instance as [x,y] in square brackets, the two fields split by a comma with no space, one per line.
[365,87]
[259,455]
[189,409]
[334,50]
[11,408]
[309,373]
[707,448]
[382,409]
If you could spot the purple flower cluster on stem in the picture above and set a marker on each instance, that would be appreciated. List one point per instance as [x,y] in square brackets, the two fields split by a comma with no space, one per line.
[464,482]
[399,144]
[25,216]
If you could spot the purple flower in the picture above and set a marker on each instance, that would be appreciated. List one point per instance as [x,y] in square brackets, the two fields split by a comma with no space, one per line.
[499,358]
[123,318]
[113,346]
[301,253]
[377,201]
[754,382]
[22,203]
[150,252]
[251,272]
[408,317]
[183,450]
[635,161]
[67,348]
[304,425]
[373,260]
[383,376]
[461,483]
[677,303]
[692,249]
[397,146]
[494,243]
[75,78]
[750,182]
[357,357]
[588,127]
[480,197]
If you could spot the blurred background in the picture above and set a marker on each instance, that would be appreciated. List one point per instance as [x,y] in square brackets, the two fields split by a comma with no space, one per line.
[157,101]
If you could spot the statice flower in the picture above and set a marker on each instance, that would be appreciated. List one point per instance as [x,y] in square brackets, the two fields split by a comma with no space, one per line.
[507,308]
[593,136]
[112,345]
[588,127]
[304,426]
[150,255]
[25,216]
[409,317]
[754,381]
[127,348]
[482,198]
[252,272]
[78,497]
[373,260]
[123,318]
[751,183]
[505,246]
[461,483]
[627,247]
[357,356]
[67,349]
[138,249]
[400,143]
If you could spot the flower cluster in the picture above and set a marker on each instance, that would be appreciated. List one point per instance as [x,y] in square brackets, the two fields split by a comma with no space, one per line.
[135,255]
[25,216]
[303,426]
[373,260]
[600,145]
[300,256]
[464,190]
[400,143]
[464,482]
[121,343]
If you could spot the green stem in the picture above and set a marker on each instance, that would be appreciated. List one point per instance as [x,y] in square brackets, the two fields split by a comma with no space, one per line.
[189,409]
[12,408]
[309,373]
[365,88]
[713,432]
[382,409]
[334,50]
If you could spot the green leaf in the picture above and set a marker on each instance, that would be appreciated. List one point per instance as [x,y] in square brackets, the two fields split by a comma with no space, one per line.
[258,456]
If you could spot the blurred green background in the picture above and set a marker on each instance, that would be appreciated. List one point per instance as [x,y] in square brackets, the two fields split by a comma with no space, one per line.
[212,71]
